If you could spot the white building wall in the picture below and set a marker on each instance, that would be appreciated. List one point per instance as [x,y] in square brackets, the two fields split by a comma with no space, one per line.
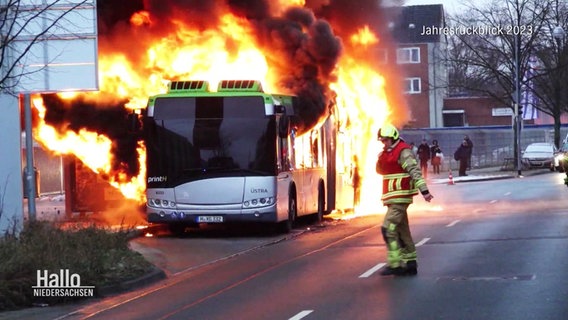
[11,183]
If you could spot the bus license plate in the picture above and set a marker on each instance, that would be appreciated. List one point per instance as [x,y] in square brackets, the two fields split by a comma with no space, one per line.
[210,219]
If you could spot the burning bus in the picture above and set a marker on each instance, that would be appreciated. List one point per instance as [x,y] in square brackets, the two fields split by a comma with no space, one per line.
[235,155]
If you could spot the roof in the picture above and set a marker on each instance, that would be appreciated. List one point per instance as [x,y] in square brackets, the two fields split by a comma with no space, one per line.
[412,21]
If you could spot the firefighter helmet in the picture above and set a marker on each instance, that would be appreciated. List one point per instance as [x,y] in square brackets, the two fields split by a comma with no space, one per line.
[388,131]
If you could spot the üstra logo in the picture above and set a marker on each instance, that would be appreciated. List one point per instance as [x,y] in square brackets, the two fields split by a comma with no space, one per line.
[62,284]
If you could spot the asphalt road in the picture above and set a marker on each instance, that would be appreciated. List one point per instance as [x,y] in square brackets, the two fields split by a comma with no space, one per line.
[487,250]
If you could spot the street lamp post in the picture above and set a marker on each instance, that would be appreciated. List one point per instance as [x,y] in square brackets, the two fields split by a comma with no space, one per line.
[559,77]
[517,117]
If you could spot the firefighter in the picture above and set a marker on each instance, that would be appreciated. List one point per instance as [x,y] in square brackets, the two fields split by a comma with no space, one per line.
[402,179]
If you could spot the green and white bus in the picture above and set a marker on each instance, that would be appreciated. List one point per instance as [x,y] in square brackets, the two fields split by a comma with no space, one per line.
[234,155]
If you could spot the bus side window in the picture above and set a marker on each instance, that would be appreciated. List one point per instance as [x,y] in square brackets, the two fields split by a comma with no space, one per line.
[284,134]
[284,158]
[292,148]
[314,147]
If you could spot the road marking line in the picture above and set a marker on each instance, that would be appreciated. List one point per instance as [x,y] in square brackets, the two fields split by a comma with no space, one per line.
[301,315]
[493,201]
[453,223]
[374,269]
[423,241]
[508,193]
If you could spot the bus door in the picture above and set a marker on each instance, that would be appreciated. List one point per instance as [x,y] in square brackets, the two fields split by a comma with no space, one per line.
[285,163]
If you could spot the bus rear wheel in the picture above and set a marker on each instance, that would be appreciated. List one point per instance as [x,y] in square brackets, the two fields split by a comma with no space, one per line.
[318,217]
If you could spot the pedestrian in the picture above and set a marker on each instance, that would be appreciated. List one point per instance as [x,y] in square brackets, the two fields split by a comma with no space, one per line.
[469,150]
[402,179]
[424,156]
[414,149]
[437,156]
[462,155]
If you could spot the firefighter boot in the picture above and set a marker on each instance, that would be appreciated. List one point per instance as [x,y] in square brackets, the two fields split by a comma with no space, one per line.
[389,271]
[411,268]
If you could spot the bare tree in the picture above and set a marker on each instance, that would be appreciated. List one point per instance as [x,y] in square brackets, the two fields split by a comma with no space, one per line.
[24,24]
[482,55]
[465,76]
[483,63]
[551,74]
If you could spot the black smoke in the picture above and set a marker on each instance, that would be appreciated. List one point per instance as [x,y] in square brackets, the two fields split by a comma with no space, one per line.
[110,120]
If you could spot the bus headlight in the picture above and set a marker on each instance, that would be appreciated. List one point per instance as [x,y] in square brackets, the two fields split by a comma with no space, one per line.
[258,202]
[159,203]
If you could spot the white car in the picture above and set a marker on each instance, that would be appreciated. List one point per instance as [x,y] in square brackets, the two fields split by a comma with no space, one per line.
[540,155]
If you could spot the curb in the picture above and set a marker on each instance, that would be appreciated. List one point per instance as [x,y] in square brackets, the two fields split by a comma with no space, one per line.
[487,177]
[477,179]
[154,275]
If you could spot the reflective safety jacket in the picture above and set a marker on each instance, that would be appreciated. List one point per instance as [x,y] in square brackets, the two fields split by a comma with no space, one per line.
[402,177]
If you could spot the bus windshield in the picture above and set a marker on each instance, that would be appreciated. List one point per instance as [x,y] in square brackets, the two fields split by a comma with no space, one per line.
[191,138]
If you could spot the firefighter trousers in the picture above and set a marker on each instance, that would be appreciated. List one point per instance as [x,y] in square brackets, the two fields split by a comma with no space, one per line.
[397,236]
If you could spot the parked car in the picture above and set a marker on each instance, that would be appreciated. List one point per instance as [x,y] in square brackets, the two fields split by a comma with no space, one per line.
[540,155]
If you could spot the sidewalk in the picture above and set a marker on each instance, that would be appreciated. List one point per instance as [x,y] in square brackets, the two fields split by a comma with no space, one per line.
[481,174]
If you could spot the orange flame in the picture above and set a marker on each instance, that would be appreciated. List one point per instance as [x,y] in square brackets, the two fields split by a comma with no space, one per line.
[363,100]
[140,18]
[365,37]
[93,149]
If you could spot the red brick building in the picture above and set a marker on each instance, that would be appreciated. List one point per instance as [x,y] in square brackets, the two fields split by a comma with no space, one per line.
[476,111]
[420,56]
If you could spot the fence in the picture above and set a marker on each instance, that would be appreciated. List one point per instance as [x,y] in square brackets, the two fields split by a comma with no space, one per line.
[491,144]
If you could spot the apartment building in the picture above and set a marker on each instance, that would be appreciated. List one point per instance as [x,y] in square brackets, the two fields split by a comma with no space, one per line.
[420,55]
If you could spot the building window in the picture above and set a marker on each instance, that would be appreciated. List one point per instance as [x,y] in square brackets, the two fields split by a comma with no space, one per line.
[454,118]
[408,55]
[412,85]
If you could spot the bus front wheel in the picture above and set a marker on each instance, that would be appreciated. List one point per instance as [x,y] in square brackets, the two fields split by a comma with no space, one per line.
[288,225]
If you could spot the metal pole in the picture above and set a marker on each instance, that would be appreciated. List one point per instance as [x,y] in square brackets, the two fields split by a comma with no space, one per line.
[30,170]
[518,117]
